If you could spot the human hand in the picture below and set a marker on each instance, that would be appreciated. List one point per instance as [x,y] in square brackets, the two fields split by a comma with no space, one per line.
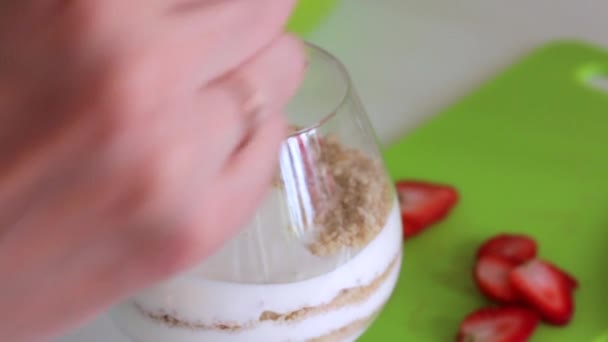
[135,137]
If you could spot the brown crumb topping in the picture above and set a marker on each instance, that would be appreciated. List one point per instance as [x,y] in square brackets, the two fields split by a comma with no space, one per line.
[350,191]
[361,201]
[173,321]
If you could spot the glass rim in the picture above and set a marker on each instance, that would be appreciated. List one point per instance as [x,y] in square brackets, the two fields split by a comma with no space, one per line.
[348,84]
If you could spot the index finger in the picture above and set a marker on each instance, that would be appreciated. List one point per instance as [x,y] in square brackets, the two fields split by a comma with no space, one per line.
[214,37]
[198,39]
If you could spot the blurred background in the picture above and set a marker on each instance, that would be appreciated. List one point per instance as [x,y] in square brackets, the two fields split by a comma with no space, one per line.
[409,59]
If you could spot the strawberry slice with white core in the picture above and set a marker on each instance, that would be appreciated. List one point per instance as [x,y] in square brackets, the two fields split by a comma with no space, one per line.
[492,277]
[569,279]
[507,324]
[545,289]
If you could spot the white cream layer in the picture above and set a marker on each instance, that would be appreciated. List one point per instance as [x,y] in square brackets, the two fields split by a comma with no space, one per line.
[199,300]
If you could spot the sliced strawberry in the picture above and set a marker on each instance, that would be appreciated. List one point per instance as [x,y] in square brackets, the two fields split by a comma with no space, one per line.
[545,289]
[423,204]
[569,279]
[492,277]
[515,247]
[507,324]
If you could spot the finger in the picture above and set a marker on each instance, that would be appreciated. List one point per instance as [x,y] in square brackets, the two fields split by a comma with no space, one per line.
[215,37]
[200,40]
[217,209]
[218,111]
[192,142]
[242,186]
[270,79]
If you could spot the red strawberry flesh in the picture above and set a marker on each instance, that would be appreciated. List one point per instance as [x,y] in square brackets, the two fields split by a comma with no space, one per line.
[545,289]
[492,277]
[424,204]
[569,279]
[506,324]
[515,247]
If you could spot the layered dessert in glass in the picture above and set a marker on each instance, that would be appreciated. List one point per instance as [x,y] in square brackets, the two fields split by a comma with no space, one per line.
[321,256]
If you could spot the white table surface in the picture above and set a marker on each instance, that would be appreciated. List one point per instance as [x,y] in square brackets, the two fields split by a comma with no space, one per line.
[410,58]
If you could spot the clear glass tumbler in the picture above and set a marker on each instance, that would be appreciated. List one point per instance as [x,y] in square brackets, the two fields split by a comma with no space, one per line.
[321,256]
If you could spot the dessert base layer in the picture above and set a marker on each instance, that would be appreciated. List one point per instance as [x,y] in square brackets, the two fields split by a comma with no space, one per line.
[333,307]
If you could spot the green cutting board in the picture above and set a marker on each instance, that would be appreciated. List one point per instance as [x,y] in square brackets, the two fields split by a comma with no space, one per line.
[529,153]
[308,14]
